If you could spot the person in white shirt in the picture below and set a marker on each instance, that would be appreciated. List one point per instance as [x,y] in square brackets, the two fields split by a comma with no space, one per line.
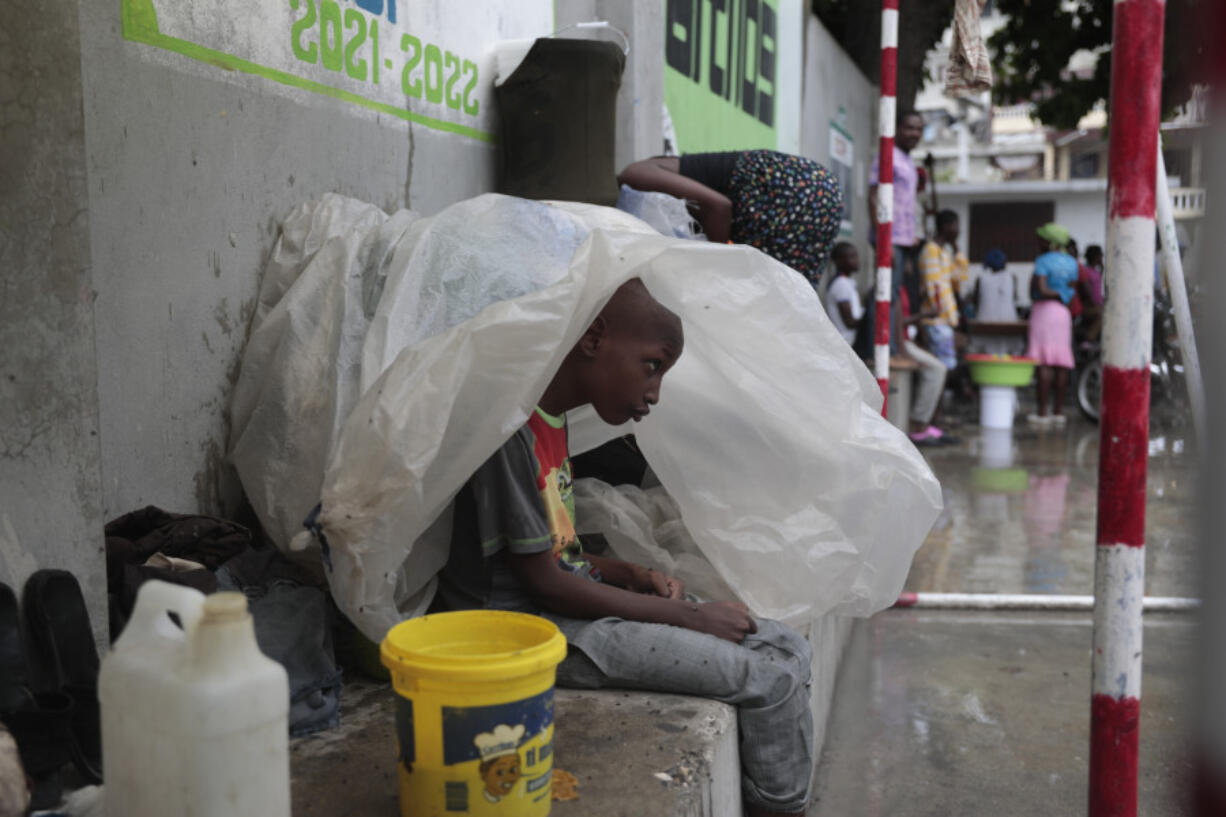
[842,300]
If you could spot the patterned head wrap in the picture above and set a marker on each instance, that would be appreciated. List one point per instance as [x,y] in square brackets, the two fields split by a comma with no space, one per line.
[787,206]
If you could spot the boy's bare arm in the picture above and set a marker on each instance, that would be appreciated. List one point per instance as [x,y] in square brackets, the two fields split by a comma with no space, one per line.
[568,594]
[637,578]
[662,174]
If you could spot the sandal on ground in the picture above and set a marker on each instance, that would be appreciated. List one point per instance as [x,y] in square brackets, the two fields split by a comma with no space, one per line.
[62,641]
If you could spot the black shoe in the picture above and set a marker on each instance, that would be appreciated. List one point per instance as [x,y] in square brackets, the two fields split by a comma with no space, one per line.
[62,641]
[14,673]
[38,722]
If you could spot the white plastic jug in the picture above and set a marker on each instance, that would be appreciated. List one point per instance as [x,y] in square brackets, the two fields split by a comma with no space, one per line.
[194,718]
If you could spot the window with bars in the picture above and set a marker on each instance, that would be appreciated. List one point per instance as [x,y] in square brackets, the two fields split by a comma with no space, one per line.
[1084,166]
[1008,226]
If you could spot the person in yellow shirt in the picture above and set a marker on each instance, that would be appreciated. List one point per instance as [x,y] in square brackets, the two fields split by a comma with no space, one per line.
[943,273]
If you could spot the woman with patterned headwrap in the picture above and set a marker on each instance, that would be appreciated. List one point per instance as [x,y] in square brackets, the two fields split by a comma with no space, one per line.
[1051,324]
[787,206]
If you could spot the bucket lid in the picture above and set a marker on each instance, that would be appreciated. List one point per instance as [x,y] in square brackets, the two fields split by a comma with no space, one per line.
[473,645]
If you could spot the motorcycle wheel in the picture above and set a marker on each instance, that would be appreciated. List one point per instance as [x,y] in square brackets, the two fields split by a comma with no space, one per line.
[1090,390]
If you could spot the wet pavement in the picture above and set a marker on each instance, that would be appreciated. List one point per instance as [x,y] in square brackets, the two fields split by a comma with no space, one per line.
[1020,513]
[967,712]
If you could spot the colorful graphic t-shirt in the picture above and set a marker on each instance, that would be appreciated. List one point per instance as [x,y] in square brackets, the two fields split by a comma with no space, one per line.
[557,490]
[520,501]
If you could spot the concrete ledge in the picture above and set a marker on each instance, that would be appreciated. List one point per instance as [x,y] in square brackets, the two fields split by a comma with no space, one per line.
[635,754]
[620,746]
[641,754]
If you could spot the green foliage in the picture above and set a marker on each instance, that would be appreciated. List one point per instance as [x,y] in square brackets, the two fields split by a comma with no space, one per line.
[1031,55]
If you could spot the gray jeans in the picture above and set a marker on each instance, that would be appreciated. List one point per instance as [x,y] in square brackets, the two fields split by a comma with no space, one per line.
[930,382]
[766,677]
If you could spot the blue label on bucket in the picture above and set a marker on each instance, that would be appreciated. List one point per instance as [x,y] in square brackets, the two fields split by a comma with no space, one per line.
[474,733]
[504,743]
[404,732]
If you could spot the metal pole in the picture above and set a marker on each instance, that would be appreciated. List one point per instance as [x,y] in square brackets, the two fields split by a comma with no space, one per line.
[886,113]
[1031,601]
[1119,565]
[1172,264]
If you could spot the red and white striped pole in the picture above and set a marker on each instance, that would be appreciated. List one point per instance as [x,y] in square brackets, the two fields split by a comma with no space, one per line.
[886,113]
[1119,565]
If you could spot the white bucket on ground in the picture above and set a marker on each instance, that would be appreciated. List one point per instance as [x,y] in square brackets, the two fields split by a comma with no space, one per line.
[996,406]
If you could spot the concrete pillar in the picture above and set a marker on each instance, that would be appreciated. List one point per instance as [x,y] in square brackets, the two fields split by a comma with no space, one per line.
[50,481]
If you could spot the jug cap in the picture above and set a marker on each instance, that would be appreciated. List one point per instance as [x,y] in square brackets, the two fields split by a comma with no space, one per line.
[227,606]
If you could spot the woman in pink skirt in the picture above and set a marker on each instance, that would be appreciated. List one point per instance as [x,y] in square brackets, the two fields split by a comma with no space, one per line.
[1051,323]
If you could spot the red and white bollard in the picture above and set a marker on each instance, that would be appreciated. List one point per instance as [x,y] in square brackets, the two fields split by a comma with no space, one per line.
[1119,566]
[886,113]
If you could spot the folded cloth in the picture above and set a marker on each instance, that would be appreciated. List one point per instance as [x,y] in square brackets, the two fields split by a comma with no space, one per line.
[970,68]
[204,539]
[147,544]
[293,626]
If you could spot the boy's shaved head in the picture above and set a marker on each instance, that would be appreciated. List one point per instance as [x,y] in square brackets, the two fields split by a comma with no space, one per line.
[620,360]
[634,312]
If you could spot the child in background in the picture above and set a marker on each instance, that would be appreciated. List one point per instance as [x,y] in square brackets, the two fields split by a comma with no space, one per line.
[842,299]
[943,270]
[996,300]
[1091,275]
[514,548]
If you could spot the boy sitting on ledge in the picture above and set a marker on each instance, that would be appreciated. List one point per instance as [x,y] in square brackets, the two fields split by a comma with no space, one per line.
[514,548]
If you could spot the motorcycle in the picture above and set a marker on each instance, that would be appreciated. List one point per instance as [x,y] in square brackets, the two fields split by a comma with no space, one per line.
[1165,365]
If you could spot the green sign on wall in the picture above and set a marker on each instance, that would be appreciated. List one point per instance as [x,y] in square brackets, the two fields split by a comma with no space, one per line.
[720,73]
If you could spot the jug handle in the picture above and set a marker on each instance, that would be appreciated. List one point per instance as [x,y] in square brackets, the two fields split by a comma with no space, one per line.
[156,598]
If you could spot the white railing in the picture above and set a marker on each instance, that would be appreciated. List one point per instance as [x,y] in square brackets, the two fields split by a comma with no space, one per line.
[1188,202]
[1022,111]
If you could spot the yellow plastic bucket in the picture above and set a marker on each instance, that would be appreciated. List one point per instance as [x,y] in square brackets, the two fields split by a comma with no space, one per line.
[474,712]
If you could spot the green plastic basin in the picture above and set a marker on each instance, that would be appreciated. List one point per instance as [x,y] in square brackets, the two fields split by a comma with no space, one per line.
[1001,370]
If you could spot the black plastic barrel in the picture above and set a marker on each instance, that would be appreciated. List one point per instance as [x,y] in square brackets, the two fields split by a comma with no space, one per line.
[559,119]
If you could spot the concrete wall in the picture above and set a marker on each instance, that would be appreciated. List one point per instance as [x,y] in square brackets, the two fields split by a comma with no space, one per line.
[50,496]
[836,91]
[190,171]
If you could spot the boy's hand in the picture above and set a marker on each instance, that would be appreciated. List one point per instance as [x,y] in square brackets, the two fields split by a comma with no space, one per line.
[655,583]
[667,586]
[728,620]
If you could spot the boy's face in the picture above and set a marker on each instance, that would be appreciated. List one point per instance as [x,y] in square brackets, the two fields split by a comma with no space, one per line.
[631,369]
[950,230]
[849,260]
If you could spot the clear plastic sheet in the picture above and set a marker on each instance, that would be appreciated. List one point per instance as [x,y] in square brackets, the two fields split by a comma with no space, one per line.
[768,438]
